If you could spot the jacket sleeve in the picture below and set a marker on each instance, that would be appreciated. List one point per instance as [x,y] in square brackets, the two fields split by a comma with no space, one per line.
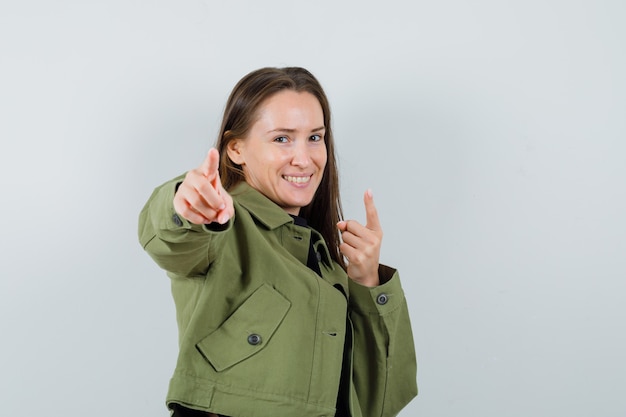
[175,244]
[384,367]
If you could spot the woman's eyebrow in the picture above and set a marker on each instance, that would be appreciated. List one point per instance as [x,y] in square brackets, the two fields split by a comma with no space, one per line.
[287,130]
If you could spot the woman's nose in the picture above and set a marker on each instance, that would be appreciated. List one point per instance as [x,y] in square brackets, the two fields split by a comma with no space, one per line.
[301,155]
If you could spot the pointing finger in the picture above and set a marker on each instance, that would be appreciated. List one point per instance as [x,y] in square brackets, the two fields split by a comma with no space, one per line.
[211,163]
[211,194]
[371,214]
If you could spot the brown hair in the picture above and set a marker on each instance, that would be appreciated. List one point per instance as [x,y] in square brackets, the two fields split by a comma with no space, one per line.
[240,113]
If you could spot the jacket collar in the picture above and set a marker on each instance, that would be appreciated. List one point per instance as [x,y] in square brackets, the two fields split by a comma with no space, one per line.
[262,208]
[271,215]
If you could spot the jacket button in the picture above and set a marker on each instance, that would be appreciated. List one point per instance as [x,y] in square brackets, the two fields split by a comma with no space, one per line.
[382,299]
[177,221]
[254,339]
[319,256]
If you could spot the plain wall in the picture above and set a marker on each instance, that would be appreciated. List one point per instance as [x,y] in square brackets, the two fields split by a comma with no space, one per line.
[493,135]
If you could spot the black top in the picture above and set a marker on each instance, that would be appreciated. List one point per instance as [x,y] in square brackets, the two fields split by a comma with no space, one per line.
[312,260]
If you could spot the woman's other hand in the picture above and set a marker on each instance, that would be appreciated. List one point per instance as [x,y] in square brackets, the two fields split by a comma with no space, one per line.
[361,244]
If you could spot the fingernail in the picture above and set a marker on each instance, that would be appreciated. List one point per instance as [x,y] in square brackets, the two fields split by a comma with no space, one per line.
[370,194]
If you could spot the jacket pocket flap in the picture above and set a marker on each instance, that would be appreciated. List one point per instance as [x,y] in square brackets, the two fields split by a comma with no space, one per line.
[247,331]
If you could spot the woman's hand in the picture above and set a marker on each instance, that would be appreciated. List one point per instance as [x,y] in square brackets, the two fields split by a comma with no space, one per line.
[200,197]
[361,244]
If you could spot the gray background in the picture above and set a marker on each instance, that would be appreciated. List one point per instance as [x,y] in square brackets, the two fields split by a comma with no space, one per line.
[492,134]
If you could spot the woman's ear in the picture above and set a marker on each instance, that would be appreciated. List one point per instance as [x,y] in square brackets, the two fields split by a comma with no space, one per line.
[234,149]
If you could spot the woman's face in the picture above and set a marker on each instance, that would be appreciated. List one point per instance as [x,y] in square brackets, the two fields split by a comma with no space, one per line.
[284,154]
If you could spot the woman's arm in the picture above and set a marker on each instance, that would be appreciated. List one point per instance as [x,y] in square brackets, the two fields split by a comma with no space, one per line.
[383,356]
[166,230]
[176,244]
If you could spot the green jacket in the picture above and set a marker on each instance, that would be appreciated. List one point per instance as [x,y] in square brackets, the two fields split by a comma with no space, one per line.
[260,333]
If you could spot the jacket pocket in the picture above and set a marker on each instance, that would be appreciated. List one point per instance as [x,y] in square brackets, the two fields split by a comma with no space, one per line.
[247,331]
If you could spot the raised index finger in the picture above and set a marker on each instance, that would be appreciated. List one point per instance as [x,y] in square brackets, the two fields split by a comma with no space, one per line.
[211,164]
[209,170]
[371,214]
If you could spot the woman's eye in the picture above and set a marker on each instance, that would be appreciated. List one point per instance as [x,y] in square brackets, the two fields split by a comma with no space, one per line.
[281,139]
[316,138]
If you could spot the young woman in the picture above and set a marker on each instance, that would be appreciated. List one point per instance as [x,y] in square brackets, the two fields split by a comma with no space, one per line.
[282,306]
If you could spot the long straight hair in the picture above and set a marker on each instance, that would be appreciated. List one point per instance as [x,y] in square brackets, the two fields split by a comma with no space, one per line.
[240,113]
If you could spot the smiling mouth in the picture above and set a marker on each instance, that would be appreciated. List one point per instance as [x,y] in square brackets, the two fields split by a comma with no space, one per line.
[297,180]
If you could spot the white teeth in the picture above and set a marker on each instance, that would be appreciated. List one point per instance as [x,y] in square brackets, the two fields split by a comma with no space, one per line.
[297,180]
